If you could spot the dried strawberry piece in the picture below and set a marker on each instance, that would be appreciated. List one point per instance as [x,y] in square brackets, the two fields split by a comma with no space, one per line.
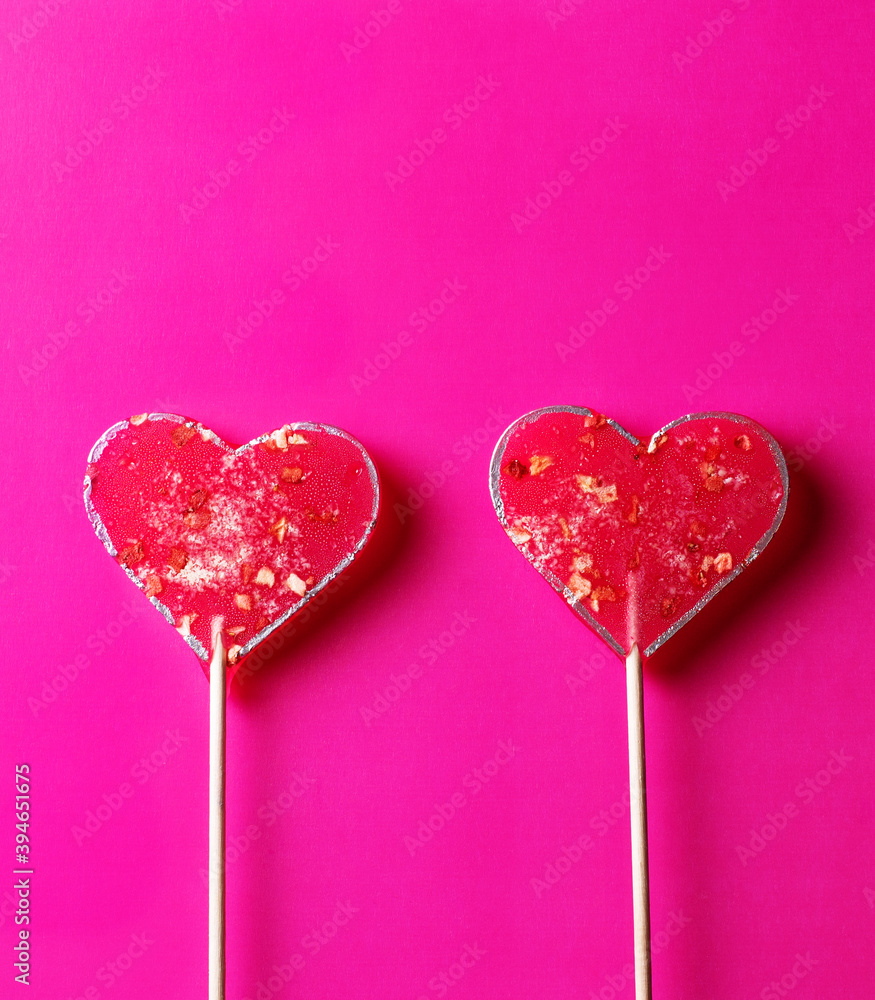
[668,606]
[197,499]
[178,560]
[298,440]
[182,434]
[723,562]
[537,464]
[325,516]
[516,469]
[197,519]
[280,529]
[132,554]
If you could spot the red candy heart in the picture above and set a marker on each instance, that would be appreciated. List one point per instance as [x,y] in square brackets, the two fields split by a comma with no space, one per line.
[249,535]
[638,536]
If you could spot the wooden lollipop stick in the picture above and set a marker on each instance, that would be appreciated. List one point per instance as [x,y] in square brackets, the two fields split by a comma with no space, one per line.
[218,671]
[638,810]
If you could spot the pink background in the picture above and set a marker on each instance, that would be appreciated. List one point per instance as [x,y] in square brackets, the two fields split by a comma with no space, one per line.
[746,201]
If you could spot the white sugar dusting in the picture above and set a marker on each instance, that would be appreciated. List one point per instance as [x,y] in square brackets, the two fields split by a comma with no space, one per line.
[234,549]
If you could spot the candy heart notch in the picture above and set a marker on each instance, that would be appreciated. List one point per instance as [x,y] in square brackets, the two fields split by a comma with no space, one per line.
[250,535]
[638,536]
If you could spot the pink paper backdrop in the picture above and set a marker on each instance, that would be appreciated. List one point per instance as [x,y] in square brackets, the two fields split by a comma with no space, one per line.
[418,221]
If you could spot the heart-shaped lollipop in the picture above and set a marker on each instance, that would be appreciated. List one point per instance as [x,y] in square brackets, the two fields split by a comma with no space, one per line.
[638,537]
[228,544]
[249,535]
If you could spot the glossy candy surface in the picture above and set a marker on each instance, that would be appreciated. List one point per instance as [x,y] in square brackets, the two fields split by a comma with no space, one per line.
[638,535]
[250,534]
